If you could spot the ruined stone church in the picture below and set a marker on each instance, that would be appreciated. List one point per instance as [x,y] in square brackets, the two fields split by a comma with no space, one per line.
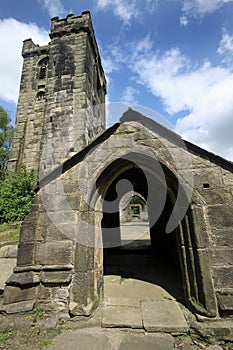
[86,169]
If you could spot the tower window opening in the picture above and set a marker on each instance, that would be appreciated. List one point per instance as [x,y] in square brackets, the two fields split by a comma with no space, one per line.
[40,95]
[206,185]
[42,74]
[43,66]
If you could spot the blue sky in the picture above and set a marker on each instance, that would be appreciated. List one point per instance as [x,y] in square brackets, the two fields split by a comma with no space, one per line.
[172,56]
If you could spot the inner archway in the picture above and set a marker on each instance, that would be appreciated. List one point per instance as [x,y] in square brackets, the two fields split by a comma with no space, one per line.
[134,221]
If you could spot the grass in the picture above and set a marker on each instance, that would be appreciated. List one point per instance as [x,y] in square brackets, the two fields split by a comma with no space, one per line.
[49,339]
[24,338]
[6,335]
[39,314]
[9,232]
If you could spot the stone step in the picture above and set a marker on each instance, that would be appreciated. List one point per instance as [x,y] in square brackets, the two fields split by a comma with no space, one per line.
[154,316]
[163,316]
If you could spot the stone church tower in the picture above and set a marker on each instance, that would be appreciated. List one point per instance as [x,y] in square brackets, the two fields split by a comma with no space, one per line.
[61,83]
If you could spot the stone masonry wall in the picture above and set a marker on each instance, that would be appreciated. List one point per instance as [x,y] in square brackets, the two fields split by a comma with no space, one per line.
[30,110]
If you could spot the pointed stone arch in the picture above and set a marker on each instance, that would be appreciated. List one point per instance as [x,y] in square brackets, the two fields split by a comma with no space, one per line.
[191,232]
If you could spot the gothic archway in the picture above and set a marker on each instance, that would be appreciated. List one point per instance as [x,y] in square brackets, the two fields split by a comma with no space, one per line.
[189,237]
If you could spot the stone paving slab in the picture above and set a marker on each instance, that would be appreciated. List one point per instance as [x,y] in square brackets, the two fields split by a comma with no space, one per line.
[111,339]
[7,266]
[145,342]
[163,316]
[136,291]
[122,316]
[112,279]
[9,251]
[76,340]
[113,301]
[150,290]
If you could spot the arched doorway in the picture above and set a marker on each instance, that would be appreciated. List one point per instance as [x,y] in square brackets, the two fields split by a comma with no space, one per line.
[178,252]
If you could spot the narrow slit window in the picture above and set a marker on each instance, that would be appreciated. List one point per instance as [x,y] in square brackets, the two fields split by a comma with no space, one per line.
[43,67]
[42,74]
[206,185]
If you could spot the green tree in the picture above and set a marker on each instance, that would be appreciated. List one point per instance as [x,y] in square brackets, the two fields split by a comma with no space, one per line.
[137,200]
[16,192]
[6,135]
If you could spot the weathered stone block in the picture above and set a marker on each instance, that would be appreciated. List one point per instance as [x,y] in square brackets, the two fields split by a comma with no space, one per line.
[221,257]
[24,278]
[13,294]
[99,281]
[22,306]
[53,306]
[63,217]
[45,292]
[43,219]
[62,293]
[84,258]
[220,216]
[27,231]
[223,277]
[53,233]
[227,178]
[30,231]
[69,231]
[56,277]
[85,229]
[200,162]
[225,301]
[25,254]
[215,195]
[54,253]
[61,203]
[223,237]
[211,175]
[83,288]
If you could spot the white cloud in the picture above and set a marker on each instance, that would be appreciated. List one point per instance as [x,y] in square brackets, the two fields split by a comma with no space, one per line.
[129,95]
[226,44]
[108,64]
[202,7]
[184,21]
[54,7]
[127,10]
[151,5]
[225,48]
[204,91]
[12,34]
